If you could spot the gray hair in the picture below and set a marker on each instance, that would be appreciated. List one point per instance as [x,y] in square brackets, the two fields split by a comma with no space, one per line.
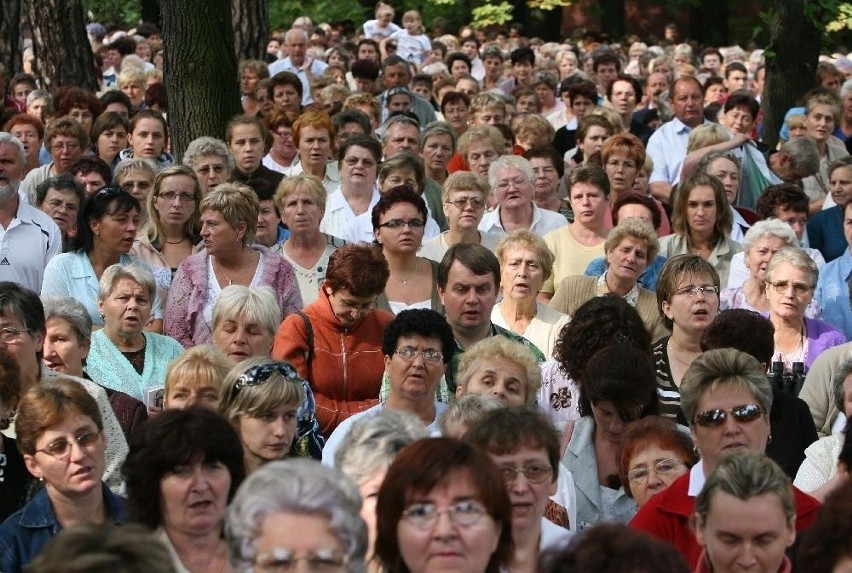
[510,162]
[467,410]
[300,31]
[137,164]
[401,119]
[299,486]
[435,68]
[72,311]
[7,138]
[40,94]
[438,128]
[206,145]
[374,441]
[637,229]
[256,305]
[803,153]
[843,371]
[844,89]
[795,257]
[769,228]
[137,271]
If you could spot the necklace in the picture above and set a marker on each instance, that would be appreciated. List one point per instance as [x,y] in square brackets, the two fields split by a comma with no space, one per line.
[674,354]
[174,242]
[222,270]
[411,275]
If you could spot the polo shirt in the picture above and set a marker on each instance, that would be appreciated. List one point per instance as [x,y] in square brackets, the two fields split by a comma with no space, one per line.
[27,245]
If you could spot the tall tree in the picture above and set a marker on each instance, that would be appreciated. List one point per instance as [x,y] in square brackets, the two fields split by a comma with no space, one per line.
[251,28]
[11,14]
[200,69]
[63,55]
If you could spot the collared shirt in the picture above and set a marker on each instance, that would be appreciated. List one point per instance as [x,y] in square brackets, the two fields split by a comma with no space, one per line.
[602,289]
[331,180]
[543,221]
[286,65]
[832,293]
[31,240]
[339,215]
[667,147]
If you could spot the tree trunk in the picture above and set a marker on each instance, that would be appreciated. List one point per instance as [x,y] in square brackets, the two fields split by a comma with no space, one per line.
[11,14]
[200,69]
[251,28]
[792,57]
[63,55]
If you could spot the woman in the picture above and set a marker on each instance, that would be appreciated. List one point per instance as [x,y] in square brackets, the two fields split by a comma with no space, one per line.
[455,108]
[313,134]
[283,152]
[359,156]
[60,434]
[622,155]
[228,222]
[464,196]
[245,321]
[171,232]
[182,471]
[195,378]
[210,160]
[30,130]
[525,263]
[791,277]
[106,229]
[826,228]
[147,139]
[136,176]
[436,476]
[726,398]
[822,113]
[688,301]
[479,147]
[701,222]
[727,169]
[628,247]
[246,137]
[398,222]
[109,134]
[500,368]
[653,454]
[335,344]
[65,140]
[438,143]
[310,517]
[122,356]
[17,480]
[592,131]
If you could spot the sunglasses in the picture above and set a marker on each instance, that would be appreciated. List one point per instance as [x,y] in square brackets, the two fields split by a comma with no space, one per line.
[717,417]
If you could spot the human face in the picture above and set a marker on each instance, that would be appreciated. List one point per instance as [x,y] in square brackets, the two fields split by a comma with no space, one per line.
[736,80]
[756,544]
[500,378]
[819,122]
[469,49]
[92,182]
[641,183]
[194,497]
[628,259]
[314,147]
[459,69]
[177,211]
[796,219]
[605,74]
[111,142]
[789,305]
[211,170]
[135,92]
[488,116]
[248,81]
[528,499]
[301,212]
[692,314]
[546,178]
[399,176]
[367,52]
[712,63]
[148,139]
[468,87]
[480,156]
[29,137]
[609,422]
[138,183]
[527,104]
[657,84]
[358,167]
[37,107]
[738,120]
[11,170]
[268,435]
[64,150]
[635,211]
[62,206]
[239,338]
[316,536]
[402,137]
[468,216]
[422,89]
[188,392]
[447,547]
[567,66]
[247,147]
[701,210]
[687,102]
[63,351]
[24,348]
[521,274]
[405,239]
[715,94]
[286,96]
[727,172]
[592,143]
[437,153]
[296,45]
[348,308]
[840,183]
[83,117]
[589,204]
[21,90]
[78,474]
[523,72]
[546,95]
[621,170]
[623,97]
[655,482]
[395,76]
[267,224]
[218,235]
[126,309]
[468,298]
[119,108]
[116,231]
[417,379]
[493,67]
[512,188]
[758,256]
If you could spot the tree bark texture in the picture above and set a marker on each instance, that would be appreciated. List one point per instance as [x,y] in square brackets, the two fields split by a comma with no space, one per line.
[11,14]
[793,54]
[200,69]
[63,55]
[251,28]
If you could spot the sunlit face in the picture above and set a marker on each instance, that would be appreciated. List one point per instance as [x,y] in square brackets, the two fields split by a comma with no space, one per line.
[623,98]
[468,298]
[628,259]
[218,235]
[194,497]
[126,309]
[188,392]
[267,435]
[358,167]
[589,204]
[138,183]
[404,239]
[62,205]
[437,152]
[499,377]
[567,66]
[480,155]
[738,119]
[687,102]
[512,188]
[29,137]
[240,338]
[728,173]
[840,184]
[521,273]
[64,150]
[211,170]
[177,210]
[789,304]
[135,92]
[819,122]
[545,177]
[414,380]
[654,482]
[488,116]
[402,137]
[116,232]
[635,211]
[63,350]
[757,258]
[621,171]
[315,535]
[37,108]
[314,147]
[467,215]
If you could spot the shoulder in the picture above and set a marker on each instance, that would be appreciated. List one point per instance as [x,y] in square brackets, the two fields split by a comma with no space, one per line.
[164,342]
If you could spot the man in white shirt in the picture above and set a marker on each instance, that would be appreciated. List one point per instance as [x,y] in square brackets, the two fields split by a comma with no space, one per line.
[297,62]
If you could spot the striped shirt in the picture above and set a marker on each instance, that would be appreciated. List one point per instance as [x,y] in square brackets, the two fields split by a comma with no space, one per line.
[668,393]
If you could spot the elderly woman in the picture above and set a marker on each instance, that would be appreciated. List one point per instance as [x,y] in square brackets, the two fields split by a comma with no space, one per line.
[60,434]
[195,378]
[359,157]
[502,368]
[398,222]
[653,454]
[628,248]
[245,321]
[136,176]
[525,263]
[106,229]
[17,480]
[109,136]
[147,138]
[171,232]
[335,344]
[122,356]
[479,147]
[311,517]
[313,134]
[210,160]
[65,140]
[438,144]
[791,277]
[228,222]
[131,81]
[821,116]
[622,155]
[726,397]
[442,475]
[365,455]
[283,151]
[182,471]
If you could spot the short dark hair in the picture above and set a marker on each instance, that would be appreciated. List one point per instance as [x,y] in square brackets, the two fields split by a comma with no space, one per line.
[456,56]
[520,55]
[92,164]
[359,268]
[549,153]
[477,258]
[708,51]
[744,330]
[365,69]
[742,98]
[60,183]
[423,322]
[115,96]
[24,304]
[285,79]
[591,174]
[454,97]
[108,201]
[623,374]
[786,195]
[125,45]
[621,77]
[367,142]
[398,194]
[735,67]
[171,439]
[583,88]
[607,57]
[340,119]
[636,199]
[675,269]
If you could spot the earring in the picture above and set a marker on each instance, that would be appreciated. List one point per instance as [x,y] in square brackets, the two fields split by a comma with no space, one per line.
[769,439]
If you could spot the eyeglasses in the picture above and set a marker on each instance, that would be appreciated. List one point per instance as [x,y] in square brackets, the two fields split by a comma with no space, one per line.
[284,561]
[517,183]
[169,196]
[130,185]
[61,449]
[692,291]
[409,353]
[782,287]
[365,161]
[462,202]
[663,467]
[206,169]
[398,223]
[425,515]
[56,147]
[58,204]
[10,335]
[533,474]
[717,417]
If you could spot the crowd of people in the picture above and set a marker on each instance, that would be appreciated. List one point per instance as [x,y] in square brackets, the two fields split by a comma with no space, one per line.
[435,302]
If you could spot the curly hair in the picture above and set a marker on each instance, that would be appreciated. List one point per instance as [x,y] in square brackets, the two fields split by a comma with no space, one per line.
[421,322]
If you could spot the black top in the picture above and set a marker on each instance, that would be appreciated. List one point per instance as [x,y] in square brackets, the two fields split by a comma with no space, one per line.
[15,480]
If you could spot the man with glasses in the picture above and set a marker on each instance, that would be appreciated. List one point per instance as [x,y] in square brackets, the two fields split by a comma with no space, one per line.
[60,197]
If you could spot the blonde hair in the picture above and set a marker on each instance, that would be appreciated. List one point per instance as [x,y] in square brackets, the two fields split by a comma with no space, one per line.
[199,365]
[413,16]
[275,391]
[237,204]
[501,347]
[706,135]
[638,229]
[530,240]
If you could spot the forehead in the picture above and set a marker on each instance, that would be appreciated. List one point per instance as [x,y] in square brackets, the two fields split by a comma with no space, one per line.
[460,273]
[9,319]
[686,87]
[400,129]
[418,341]
[509,173]
[8,150]
[622,85]
[67,194]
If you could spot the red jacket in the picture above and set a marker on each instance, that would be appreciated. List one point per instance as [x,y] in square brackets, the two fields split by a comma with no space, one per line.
[666,516]
[346,364]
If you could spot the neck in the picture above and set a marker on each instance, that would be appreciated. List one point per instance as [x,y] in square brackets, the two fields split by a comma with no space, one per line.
[101,258]
[701,239]
[617,285]
[684,342]
[252,462]
[280,158]
[787,326]
[401,263]
[201,551]
[8,207]
[421,406]
[173,232]
[233,259]
[525,557]
[517,217]
[439,176]
[581,231]
[86,508]
[822,147]
[515,310]
[125,341]
[357,190]
[468,336]
[456,235]
[549,201]
[305,240]
[315,169]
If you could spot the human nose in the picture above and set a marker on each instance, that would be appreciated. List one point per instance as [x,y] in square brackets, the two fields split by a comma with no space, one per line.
[654,480]
[444,525]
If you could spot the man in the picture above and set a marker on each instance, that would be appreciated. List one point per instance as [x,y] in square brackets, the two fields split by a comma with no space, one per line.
[92,173]
[297,62]
[400,133]
[396,73]
[511,179]
[623,93]
[468,283]
[667,147]
[61,197]
[606,66]
[736,77]
[523,64]
[759,81]
[796,160]
[418,346]
[29,237]
[711,61]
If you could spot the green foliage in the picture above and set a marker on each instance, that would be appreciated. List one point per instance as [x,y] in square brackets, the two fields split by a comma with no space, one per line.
[125,12]
[491,14]
[283,12]
[843,21]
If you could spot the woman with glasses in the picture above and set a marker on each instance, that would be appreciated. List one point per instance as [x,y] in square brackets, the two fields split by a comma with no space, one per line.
[106,229]
[444,501]
[172,229]
[60,434]
[210,160]
[335,344]
[622,155]
[65,140]
[283,151]
[359,163]
[791,277]
[653,455]
[727,398]
[136,176]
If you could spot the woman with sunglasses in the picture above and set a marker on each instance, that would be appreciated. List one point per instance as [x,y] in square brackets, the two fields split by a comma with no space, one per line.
[60,434]
[273,411]
[726,397]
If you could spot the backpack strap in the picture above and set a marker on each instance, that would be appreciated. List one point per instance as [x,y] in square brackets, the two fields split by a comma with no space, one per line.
[309,333]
